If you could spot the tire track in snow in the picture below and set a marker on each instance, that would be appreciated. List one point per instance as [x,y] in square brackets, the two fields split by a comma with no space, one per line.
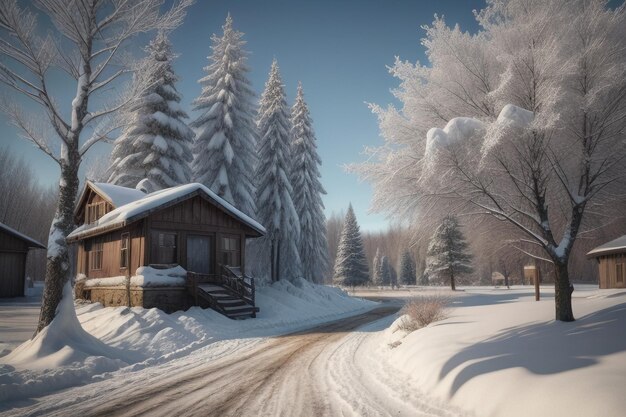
[323,371]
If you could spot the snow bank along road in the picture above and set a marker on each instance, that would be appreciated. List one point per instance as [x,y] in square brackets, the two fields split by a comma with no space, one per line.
[324,371]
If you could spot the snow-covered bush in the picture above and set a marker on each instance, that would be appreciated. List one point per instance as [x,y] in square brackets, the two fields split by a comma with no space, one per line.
[421,311]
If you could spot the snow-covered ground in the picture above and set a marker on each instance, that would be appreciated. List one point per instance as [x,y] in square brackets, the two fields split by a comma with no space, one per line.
[500,353]
[130,339]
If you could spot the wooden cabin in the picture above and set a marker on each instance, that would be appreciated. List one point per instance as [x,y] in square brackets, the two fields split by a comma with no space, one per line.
[122,229]
[14,247]
[611,259]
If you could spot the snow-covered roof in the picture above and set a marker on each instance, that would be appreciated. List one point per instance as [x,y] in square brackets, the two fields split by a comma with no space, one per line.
[140,208]
[32,243]
[614,246]
[116,195]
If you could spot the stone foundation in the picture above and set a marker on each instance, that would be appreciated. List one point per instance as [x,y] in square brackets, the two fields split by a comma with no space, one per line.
[168,299]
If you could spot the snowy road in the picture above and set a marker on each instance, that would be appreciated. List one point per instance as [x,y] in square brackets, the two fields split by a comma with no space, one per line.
[328,370]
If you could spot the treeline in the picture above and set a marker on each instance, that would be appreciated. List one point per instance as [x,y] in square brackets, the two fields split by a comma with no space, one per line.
[26,206]
[491,254]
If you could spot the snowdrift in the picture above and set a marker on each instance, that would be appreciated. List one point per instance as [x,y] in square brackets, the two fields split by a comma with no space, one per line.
[122,339]
[500,353]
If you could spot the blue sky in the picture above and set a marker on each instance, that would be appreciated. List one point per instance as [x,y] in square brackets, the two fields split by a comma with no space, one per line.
[338,49]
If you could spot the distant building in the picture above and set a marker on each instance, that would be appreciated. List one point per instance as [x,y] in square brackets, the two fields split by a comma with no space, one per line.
[14,247]
[611,259]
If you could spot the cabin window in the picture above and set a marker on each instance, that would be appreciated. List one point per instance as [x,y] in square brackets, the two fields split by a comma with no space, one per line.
[124,251]
[231,251]
[95,255]
[95,211]
[619,273]
[164,248]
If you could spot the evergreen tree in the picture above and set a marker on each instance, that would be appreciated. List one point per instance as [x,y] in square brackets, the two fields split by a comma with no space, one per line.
[276,210]
[308,190]
[155,148]
[351,265]
[407,269]
[386,271]
[225,145]
[424,277]
[377,270]
[448,254]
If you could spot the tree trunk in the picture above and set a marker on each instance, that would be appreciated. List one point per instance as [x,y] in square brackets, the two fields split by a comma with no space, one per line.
[58,264]
[272,262]
[452,285]
[278,260]
[562,292]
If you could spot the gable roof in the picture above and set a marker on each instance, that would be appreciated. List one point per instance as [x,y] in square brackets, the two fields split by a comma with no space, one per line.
[158,200]
[32,243]
[116,195]
[614,246]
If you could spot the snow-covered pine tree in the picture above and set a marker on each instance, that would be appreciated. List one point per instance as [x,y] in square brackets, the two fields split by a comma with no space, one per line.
[351,265]
[155,149]
[448,255]
[225,145]
[424,277]
[377,272]
[308,190]
[276,210]
[385,271]
[407,269]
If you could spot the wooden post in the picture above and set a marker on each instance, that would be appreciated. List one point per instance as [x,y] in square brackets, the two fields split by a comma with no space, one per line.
[536,278]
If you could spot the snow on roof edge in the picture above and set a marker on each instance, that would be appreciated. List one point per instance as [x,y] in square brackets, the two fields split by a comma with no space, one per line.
[613,246]
[133,211]
[22,236]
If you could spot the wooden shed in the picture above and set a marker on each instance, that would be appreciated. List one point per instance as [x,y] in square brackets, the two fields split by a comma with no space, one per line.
[123,229]
[611,259]
[14,247]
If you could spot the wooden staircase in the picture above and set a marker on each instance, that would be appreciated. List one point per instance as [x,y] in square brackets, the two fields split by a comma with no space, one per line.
[230,293]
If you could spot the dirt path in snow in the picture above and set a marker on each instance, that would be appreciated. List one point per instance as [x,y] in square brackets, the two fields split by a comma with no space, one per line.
[280,377]
[329,370]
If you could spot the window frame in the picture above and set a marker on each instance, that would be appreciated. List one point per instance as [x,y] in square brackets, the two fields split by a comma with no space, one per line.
[95,211]
[96,254]
[155,246]
[226,250]
[125,250]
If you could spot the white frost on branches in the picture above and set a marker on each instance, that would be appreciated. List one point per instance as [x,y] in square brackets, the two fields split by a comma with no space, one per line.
[276,209]
[308,191]
[154,151]
[225,145]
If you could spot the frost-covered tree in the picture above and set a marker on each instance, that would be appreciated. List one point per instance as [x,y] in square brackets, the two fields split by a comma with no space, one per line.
[385,270]
[276,210]
[308,191]
[377,271]
[155,148]
[448,255]
[351,265]
[407,269]
[534,109]
[225,145]
[85,43]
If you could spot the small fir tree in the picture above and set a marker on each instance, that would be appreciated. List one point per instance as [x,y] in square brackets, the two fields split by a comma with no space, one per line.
[154,151]
[308,191]
[225,146]
[448,255]
[351,265]
[276,210]
[407,269]
[377,271]
[386,271]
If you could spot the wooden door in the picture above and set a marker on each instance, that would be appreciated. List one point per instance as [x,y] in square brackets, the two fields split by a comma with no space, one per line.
[199,254]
